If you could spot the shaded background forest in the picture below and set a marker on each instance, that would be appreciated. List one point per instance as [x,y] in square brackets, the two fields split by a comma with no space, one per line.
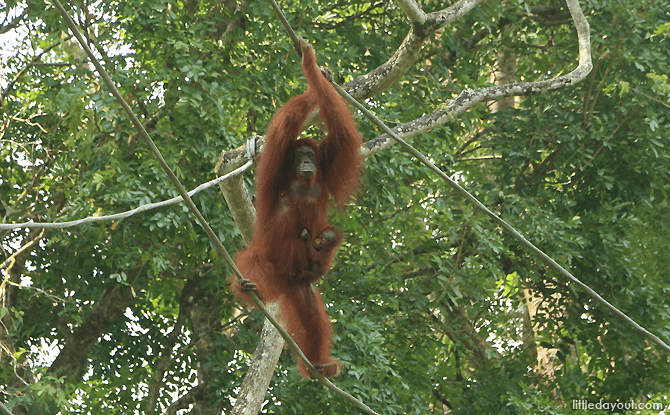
[434,309]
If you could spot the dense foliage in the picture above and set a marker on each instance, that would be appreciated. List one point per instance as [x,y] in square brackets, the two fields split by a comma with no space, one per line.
[431,303]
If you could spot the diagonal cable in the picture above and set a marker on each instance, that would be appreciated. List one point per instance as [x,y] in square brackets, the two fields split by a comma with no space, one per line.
[189,203]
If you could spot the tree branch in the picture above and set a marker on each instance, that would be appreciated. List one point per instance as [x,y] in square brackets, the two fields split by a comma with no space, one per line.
[412,11]
[166,355]
[381,78]
[13,24]
[251,396]
[71,361]
[470,98]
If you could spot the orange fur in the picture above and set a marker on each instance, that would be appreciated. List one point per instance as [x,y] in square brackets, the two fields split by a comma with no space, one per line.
[278,257]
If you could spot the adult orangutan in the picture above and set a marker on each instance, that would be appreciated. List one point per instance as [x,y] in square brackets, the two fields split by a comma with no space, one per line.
[293,243]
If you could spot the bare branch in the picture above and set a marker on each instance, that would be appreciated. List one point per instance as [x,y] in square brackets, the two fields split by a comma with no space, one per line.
[72,359]
[185,401]
[5,409]
[469,98]
[381,78]
[9,262]
[412,11]
[166,354]
[13,24]
[440,18]
[252,392]
[235,192]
